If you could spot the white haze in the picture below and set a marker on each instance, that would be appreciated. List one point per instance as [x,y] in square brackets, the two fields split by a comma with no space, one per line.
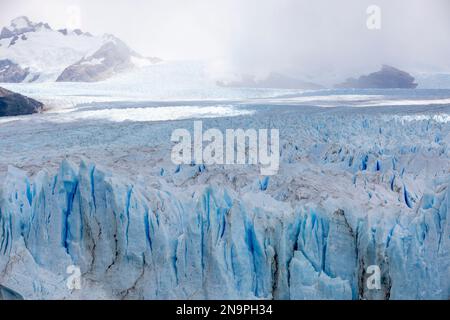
[321,40]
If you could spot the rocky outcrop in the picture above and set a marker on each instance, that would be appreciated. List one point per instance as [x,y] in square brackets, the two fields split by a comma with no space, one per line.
[14,104]
[6,33]
[11,72]
[387,78]
[272,81]
[20,26]
[113,57]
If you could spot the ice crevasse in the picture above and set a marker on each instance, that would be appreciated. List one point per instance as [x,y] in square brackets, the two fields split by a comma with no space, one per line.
[138,242]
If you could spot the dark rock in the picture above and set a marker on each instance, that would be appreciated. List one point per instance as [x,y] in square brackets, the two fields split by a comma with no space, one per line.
[113,57]
[78,32]
[43,25]
[63,31]
[8,294]
[14,104]
[387,78]
[20,26]
[11,72]
[13,41]
[273,81]
[6,33]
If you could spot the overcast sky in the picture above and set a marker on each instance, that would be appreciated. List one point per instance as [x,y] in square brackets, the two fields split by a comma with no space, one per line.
[311,38]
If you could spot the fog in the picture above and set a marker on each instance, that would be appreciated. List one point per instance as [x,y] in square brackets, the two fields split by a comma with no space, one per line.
[321,40]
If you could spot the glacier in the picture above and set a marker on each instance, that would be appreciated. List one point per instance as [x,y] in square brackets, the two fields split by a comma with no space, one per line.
[156,244]
[357,187]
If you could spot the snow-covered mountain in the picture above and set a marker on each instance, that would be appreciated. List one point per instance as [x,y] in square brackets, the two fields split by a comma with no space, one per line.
[35,52]
[113,57]
[357,187]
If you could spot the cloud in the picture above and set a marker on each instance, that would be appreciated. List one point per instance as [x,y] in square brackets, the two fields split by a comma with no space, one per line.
[321,40]
[328,40]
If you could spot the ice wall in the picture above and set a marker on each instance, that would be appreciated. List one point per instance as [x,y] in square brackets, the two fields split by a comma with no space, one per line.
[136,241]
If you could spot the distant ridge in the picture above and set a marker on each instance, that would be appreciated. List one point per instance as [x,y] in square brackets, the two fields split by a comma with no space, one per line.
[14,104]
[387,78]
[32,52]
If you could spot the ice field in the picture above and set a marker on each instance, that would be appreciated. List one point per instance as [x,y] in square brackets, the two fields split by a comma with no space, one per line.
[363,181]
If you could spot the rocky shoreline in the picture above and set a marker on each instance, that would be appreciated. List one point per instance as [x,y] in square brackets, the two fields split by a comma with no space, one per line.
[15,104]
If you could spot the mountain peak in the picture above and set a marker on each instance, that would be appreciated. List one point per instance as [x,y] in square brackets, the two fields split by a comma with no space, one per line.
[386,78]
[21,25]
[21,22]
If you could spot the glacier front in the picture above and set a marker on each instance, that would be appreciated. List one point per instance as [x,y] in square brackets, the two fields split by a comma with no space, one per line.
[357,188]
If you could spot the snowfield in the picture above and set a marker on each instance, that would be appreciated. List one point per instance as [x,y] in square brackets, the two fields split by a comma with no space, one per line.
[364,180]
[49,50]
[34,52]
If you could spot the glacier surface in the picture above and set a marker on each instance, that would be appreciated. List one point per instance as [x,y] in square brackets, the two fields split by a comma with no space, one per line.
[359,186]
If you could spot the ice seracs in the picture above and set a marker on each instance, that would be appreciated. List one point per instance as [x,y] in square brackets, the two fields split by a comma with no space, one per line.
[8,294]
[356,188]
